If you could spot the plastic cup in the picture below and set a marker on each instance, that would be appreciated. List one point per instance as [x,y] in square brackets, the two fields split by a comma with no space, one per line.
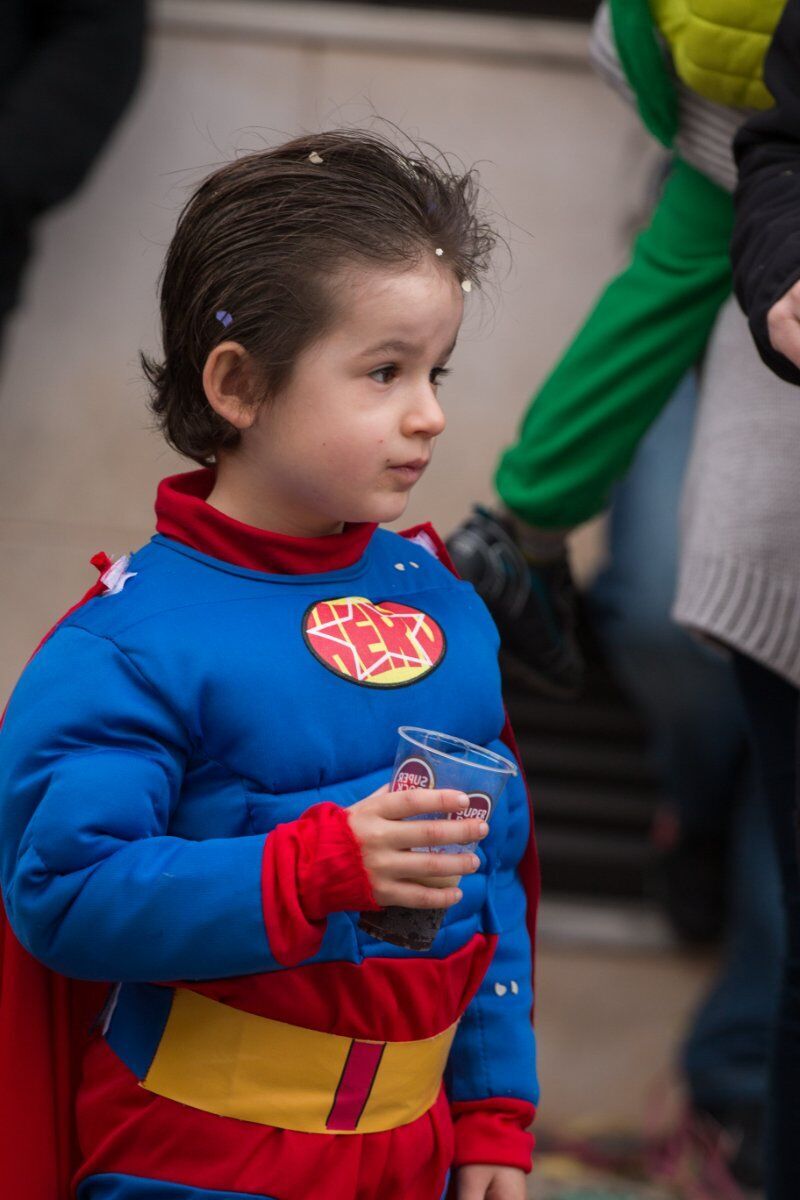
[427,759]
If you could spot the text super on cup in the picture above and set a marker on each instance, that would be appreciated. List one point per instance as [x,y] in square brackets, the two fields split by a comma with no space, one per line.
[427,759]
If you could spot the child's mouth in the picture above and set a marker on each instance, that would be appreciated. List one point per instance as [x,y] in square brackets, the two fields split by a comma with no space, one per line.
[410,472]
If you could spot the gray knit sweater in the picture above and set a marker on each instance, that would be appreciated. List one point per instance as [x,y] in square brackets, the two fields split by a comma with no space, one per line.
[739,576]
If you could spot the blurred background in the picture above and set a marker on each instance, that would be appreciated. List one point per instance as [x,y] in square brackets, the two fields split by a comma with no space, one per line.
[569,174]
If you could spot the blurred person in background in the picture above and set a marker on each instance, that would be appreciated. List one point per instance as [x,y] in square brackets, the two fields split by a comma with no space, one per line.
[715,869]
[68,69]
[694,82]
[766,260]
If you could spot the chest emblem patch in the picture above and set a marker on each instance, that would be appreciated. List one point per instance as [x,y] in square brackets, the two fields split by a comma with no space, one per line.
[376,645]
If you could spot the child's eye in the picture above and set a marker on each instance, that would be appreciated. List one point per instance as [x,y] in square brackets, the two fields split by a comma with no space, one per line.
[390,370]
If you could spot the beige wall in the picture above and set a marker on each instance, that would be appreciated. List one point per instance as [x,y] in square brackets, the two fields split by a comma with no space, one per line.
[564,163]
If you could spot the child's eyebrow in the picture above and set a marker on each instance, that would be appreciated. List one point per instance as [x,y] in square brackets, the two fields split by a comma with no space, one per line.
[397,345]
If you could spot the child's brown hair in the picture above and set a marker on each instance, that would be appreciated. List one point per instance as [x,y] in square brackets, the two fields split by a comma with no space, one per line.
[257,245]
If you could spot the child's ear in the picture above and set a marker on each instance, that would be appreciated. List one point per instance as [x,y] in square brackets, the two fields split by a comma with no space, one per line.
[229,384]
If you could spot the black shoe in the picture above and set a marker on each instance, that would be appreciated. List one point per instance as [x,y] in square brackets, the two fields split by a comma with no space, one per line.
[533,605]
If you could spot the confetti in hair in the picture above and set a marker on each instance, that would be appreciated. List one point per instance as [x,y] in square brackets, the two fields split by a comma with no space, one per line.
[315,158]
[439,252]
[224,317]
[466,285]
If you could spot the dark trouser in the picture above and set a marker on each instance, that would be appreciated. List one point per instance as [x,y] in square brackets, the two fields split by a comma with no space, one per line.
[771,706]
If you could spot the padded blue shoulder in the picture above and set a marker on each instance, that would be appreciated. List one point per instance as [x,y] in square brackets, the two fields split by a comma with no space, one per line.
[91,768]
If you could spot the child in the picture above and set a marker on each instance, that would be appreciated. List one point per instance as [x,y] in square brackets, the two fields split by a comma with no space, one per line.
[193,765]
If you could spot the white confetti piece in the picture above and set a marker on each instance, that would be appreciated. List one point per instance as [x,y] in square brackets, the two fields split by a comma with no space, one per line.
[422,539]
[466,285]
[500,989]
[514,987]
[117,575]
[399,567]
[439,252]
[315,158]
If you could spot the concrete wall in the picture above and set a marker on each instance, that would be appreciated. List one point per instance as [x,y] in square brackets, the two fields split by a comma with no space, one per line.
[563,161]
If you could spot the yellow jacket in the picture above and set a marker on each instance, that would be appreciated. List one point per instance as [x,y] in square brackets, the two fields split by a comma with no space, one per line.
[718,46]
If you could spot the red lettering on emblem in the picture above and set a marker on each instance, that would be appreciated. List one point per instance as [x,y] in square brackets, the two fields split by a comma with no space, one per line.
[377,645]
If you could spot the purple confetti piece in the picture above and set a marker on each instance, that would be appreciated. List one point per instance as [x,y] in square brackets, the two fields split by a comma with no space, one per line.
[224,317]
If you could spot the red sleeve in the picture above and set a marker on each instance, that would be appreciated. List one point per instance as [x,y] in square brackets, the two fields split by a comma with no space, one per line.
[312,867]
[493,1131]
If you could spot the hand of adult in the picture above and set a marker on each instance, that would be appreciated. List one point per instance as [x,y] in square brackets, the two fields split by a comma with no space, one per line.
[783,324]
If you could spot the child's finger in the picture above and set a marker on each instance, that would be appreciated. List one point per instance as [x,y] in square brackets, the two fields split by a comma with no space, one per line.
[397,805]
[416,895]
[409,834]
[404,864]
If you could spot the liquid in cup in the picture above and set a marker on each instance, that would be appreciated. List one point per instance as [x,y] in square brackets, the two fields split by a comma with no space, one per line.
[429,759]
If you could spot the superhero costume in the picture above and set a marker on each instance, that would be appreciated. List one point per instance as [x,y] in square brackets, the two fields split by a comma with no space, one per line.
[173,769]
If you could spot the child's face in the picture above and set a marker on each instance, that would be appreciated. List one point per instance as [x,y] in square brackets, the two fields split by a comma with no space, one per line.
[354,429]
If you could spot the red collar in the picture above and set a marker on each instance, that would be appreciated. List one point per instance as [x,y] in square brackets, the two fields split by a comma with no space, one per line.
[182,514]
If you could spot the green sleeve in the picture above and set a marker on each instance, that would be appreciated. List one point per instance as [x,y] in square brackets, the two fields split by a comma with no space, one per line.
[648,328]
[644,62]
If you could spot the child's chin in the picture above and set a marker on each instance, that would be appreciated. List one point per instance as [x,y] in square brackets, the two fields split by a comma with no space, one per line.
[383,509]
[391,508]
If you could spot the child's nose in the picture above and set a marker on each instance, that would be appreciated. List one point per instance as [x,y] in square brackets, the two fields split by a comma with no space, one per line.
[426,416]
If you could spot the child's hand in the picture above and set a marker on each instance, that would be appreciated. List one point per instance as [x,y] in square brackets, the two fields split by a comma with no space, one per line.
[397,874]
[481,1181]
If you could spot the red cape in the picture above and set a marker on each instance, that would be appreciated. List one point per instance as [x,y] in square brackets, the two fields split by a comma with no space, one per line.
[46,1021]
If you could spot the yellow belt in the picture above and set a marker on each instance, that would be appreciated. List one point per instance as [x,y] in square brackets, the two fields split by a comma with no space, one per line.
[232,1063]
